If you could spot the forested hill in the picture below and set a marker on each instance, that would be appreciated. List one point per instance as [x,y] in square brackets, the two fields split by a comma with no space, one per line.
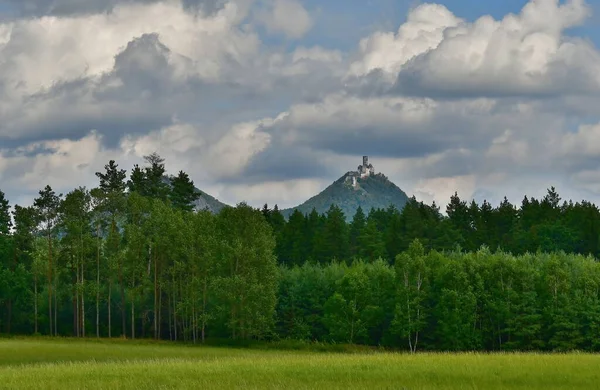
[374,191]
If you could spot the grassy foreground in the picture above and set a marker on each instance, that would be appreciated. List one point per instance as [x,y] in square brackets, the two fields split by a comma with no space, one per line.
[70,364]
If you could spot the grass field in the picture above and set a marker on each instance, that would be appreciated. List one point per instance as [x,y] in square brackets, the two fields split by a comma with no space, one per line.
[75,364]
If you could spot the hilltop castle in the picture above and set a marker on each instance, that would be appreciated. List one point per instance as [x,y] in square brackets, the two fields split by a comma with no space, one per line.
[364,170]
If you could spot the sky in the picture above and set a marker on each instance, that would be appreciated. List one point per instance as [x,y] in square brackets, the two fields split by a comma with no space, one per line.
[269,101]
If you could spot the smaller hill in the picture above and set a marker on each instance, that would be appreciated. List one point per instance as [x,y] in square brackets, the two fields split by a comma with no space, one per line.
[208,202]
[205,201]
[371,191]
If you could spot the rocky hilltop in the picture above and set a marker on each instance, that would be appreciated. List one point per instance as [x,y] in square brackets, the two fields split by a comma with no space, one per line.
[362,187]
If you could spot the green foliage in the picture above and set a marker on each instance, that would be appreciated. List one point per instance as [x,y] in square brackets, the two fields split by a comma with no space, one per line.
[248,267]
[143,264]
[5,220]
[183,193]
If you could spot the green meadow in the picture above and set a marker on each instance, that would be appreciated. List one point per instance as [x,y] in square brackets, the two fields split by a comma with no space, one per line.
[76,364]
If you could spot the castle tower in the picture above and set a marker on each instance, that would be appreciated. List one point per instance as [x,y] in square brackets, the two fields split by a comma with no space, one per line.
[365,169]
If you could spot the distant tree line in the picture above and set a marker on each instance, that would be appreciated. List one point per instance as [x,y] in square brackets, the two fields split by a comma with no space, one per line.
[545,225]
[131,258]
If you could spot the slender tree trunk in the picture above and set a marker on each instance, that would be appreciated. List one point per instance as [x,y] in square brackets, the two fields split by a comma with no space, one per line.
[204,293]
[174,311]
[170,317]
[82,301]
[121,285]
[123,303]
[234,306]
[50,283]
[9,304]
[144,320]
[160,293]
[352,322]
[133,293]
[35,304]
[109,310]
[133,318]
[81,279]
[98,281]
[8,314]
[155,298]
[55,304]
[193,323]
[75,299]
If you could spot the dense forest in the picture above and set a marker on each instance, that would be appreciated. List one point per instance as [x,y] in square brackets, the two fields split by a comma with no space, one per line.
[131,258]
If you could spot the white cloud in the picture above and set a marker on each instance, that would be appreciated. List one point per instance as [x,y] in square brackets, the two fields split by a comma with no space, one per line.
[477,107]
[442,188]
[423,30]
[584,142]
[436,53]
[288,17]
[285,194]
[40,52]
[214,158]
[62,163]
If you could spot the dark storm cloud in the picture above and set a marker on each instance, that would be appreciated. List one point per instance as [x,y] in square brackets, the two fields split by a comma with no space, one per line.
[36,8]
[278,163]
[145,100]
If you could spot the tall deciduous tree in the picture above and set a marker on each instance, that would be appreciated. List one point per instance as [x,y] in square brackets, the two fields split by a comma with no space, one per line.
[412,274]
[249,281]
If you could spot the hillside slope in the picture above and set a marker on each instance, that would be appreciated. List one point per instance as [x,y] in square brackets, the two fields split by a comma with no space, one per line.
[374,191]
[205,201]
[208,202]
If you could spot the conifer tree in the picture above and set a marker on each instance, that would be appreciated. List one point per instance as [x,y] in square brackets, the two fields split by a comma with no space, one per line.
[356,229]
[76,225]
[6,257]
[5,220]
[183,193]
[112,186]
[47,205]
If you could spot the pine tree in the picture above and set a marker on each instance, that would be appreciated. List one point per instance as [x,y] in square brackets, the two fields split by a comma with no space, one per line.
[112,187]
[156,186]
[6,258]
[76,225]
[335,235]
[47,205]
[137,181]
[372,246]
[356,228]
[5,220]
[458,215]
[295,245]
[183,193]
